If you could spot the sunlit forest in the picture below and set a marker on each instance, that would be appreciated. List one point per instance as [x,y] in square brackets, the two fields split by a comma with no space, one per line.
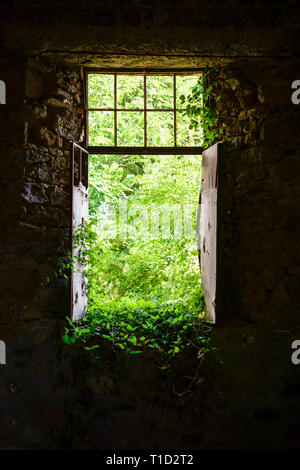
[139,262]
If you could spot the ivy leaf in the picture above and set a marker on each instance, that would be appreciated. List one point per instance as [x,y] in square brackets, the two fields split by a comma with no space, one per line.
[91,348]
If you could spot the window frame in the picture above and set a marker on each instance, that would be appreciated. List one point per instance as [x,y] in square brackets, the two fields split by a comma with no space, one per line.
[138,150]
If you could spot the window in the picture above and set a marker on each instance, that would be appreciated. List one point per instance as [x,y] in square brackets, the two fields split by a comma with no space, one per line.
[139,111]
[133,115]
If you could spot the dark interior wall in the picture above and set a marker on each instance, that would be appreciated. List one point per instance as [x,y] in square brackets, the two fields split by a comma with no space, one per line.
[54,108]
[44,112]
[12,137]
[53,397]
[259,194]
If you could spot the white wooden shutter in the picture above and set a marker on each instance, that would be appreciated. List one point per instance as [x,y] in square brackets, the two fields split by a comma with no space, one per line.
[79,213]
[209,231]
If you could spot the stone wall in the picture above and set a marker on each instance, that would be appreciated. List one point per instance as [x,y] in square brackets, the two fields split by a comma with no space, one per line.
[53,396]
[54,109]
[44,119]
[259,194]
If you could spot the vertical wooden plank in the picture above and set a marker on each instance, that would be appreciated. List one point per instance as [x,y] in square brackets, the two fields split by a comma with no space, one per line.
[79,212]
[209,232]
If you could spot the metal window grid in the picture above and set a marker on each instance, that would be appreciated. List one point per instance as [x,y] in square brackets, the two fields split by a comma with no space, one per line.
[146,149]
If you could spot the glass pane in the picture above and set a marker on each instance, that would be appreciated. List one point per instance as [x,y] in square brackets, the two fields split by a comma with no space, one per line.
[130,91]
[101,128]
[130,128]
[160,128]
[160,92]
[100,91]
[184,85]
[185,136]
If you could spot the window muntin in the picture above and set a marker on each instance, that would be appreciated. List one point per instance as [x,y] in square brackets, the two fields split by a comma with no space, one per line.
[140,110]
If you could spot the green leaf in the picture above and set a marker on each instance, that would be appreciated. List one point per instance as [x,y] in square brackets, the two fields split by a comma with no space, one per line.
[66,339]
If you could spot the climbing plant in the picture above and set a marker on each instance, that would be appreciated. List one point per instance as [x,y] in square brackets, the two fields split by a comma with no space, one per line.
[197,102]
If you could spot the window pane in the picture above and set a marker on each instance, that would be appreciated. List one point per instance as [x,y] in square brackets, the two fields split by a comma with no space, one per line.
[130,91]
[101,128]
[100,91]
[186,136]
[160,92]
[130,128]
[184,85]
[160,128]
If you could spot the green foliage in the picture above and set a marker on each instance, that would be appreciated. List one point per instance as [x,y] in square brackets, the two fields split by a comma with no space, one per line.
[143,266]
[135,326]
[198,110]
[144,291]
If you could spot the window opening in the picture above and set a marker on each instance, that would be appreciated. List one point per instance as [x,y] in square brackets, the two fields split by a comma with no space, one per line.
[138,137]
[148,104]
